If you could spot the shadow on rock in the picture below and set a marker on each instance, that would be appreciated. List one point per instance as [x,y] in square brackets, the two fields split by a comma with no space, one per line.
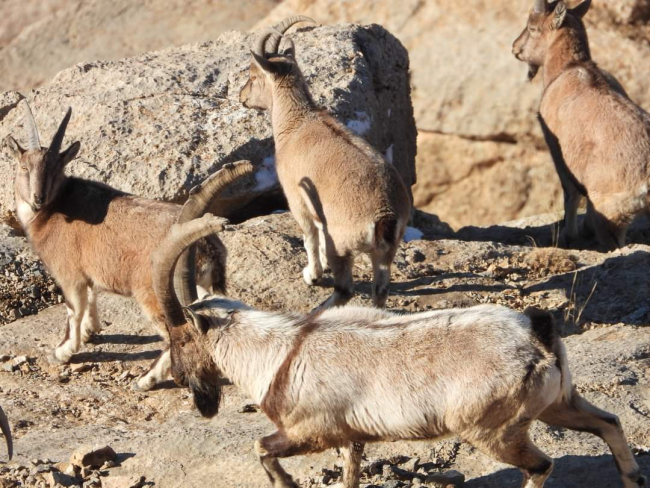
[569,472]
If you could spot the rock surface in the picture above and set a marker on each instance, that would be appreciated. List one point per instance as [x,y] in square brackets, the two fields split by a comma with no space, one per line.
[468,89]
[39,39]
[54,410]
[157,124]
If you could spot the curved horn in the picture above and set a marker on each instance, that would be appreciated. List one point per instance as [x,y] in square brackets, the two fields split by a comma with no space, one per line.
[57,140]
[284,26]
[179,238]
[290,50]
[259,49]
[539,6]
[34,142]
[201,198]
[6,431]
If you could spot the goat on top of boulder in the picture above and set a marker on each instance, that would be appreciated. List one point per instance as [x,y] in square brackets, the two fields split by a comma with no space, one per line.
[341,191]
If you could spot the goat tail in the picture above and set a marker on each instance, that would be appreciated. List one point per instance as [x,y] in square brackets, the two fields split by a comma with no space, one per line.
[545,331]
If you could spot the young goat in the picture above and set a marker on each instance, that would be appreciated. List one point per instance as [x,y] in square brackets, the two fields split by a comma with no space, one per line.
[343,194]
[92,237]
[6,431]
[598,138]
[328,379]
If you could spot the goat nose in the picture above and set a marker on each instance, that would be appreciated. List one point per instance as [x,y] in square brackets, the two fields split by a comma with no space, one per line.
[38,200]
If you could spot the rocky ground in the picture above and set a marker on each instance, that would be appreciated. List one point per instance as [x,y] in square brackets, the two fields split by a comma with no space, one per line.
[55,411]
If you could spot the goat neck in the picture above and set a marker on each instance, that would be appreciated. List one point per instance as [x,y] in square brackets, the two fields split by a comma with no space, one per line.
[571,46]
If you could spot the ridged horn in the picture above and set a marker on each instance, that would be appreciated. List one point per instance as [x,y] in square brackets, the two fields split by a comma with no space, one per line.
[270,32]
[539,6]
[285,25]
[6,431]
[57,140]
[179,238]
[199,201]
[34,141]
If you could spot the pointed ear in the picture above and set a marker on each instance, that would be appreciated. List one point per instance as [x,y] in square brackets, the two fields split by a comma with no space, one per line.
[262,63]
[559,14]
[581,10]
[14,148]
[199,322]
[70,153]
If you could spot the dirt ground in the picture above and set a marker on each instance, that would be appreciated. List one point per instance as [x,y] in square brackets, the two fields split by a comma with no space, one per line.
[601,300]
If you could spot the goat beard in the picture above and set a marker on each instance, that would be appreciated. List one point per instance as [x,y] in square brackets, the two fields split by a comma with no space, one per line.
[532,71]
[207,397]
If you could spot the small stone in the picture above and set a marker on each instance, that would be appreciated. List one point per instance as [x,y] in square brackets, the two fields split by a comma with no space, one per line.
[446,479]
[249,408]
[393,484]
[55,478]
[7,367]
[87,457]
[411,465]
[108,464]
[19,360]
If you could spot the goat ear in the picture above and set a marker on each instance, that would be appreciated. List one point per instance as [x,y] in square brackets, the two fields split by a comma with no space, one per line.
[581,10]
[199,322]
[70,153]
[14,148]
[559,14]
[262,63]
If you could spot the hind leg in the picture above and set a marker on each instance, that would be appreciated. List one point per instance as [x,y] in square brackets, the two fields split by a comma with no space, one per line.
[90,320]
[569,233]
[515,448]
[343,281]
[381,264]
[160,368]
[580,415]
[313,271]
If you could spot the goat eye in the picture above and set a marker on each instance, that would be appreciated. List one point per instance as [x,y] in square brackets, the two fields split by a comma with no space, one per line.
[253,78]
[182,344]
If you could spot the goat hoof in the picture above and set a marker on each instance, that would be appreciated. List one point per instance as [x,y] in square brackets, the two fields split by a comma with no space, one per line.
[310,279]
[54,360]
[141,385]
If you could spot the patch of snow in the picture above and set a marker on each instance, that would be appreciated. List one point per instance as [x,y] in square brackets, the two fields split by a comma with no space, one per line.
[389,154]
[361,124]
[267,176]
[412,234]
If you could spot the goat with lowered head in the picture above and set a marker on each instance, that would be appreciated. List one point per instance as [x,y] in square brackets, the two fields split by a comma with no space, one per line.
[95,238]
[328,379]
[343,194]
[599,139]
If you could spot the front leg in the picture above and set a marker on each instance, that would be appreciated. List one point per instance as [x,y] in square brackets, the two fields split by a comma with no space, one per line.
[352,468]
[90,320]
[76,302]
[314,270]
[569,233]
[278,445]
[159,371]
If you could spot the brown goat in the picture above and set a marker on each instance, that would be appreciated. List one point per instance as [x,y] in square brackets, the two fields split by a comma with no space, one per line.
[328,379]
[598,138]
[95,238]
[344,195]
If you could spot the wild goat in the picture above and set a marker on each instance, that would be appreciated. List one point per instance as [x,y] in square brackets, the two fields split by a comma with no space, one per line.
[599,139]
[6,431]
[328,379]
[92,237]
[343,194]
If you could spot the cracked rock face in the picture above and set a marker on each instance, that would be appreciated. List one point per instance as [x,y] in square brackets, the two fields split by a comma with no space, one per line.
[157,124]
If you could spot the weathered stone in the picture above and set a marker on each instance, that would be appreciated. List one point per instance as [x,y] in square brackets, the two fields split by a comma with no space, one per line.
[56,479]
[124,481]
[447,479]
[157,124]
[92,458]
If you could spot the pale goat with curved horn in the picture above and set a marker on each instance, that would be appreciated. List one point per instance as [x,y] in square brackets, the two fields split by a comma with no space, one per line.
[344,195]
[328,379]
[6,431]
[95,238]
[598,138]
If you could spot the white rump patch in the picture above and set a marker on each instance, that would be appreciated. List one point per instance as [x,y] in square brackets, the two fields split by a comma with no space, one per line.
[389,154]
[412,234]
[361,124]
[267,176]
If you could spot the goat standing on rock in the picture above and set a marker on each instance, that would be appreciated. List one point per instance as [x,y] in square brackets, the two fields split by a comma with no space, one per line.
[327,379]
[343,194]
[92,237]
[599,139]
